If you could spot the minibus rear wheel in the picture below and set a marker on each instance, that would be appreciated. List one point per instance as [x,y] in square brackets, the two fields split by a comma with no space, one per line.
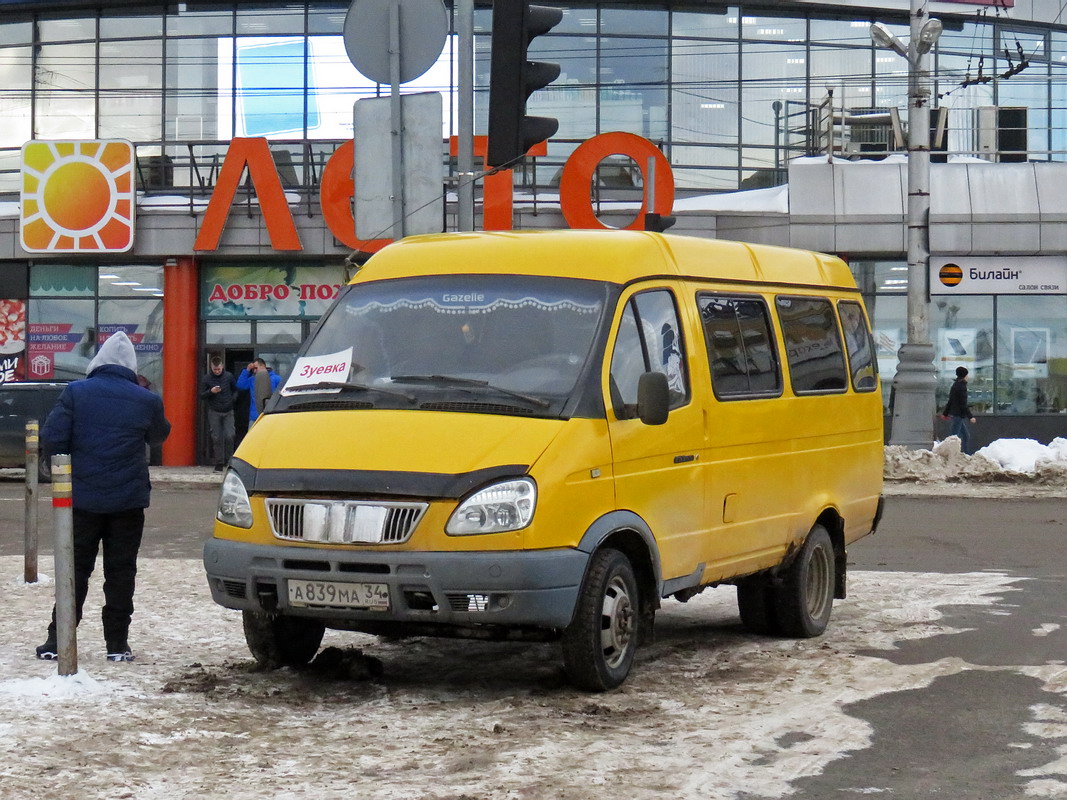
[276,641]
[805,594]
[599,644]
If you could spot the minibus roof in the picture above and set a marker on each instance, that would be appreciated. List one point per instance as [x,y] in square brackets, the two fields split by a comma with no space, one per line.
[617,256]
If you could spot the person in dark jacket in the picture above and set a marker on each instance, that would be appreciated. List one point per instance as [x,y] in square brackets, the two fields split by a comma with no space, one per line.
[958,410]
[104,422]
[218,389]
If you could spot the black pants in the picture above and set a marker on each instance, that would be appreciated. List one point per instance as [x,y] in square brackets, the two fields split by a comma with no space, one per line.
[120,534]
[220,426]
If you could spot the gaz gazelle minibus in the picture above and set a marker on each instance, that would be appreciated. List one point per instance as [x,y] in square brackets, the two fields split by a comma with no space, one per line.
[547,434]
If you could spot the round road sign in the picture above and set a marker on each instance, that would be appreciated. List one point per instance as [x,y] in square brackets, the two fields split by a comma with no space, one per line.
[423,30]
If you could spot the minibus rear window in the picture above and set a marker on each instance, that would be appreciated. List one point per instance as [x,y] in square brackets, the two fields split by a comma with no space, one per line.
[812,344]
[860,346]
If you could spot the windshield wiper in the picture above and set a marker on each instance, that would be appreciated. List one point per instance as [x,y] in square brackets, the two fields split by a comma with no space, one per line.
[540,402]
[355,387]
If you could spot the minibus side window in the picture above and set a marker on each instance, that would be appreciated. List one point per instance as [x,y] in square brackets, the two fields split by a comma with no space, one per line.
[649,340]
[812,344]
[627,363]
[860,346]
[741,349]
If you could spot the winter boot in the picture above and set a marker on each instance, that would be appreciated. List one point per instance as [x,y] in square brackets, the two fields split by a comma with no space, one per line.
[119,651]
[48,651]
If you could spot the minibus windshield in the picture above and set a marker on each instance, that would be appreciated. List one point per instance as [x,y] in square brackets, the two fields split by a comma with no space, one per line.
[487,343]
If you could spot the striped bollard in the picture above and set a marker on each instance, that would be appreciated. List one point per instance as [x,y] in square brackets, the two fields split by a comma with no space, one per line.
[63,545]
[32,488]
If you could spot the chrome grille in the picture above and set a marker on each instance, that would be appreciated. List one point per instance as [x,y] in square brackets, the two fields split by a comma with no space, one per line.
[343,521]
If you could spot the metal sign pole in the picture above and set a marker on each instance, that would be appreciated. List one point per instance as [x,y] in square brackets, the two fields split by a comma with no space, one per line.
[398,124]
[407,198]
[465,123]
[650,189]
[32,489]
[63,544]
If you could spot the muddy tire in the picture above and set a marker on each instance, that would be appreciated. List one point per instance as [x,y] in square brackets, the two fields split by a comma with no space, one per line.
[600,642]
[756,604]
[805,596]
[277,641]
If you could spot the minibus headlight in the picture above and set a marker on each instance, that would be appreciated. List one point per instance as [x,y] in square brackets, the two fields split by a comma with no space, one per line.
[234,508]
[505,506]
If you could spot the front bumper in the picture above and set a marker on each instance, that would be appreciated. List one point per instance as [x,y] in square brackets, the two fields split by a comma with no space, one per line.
[536,588]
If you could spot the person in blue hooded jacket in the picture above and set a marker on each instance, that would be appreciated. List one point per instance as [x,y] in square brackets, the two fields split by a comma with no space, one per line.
[104,423]
[260,381]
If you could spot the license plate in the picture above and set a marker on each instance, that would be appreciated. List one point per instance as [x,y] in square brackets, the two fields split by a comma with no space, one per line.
[331,594]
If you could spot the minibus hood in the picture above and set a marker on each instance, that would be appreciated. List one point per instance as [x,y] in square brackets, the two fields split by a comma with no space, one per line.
[446,443]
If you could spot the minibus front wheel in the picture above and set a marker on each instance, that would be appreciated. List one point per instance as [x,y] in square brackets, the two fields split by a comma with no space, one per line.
[276,641]
[599,644]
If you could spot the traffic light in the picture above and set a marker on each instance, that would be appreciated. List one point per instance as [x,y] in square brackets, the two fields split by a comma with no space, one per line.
[513,78]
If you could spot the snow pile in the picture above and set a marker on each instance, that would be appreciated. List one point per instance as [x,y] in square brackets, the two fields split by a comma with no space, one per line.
[56,687]
[1005,460]
[1026,455]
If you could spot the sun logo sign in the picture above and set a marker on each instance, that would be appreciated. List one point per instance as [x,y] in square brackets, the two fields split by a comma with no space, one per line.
[77,196]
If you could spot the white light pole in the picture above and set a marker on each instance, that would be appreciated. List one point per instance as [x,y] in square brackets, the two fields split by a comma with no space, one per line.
[916,379]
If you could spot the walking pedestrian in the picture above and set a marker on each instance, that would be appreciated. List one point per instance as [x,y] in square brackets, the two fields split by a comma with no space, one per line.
[958,410]
[218,390]
[104,422]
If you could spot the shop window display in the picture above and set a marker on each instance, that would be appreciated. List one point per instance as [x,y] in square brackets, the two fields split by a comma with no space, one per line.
[1031,375]
[1014,346]
[61,338]
[961,330]
[74,308]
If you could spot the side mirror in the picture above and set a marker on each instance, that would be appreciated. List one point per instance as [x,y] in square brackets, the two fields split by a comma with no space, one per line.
[653,398]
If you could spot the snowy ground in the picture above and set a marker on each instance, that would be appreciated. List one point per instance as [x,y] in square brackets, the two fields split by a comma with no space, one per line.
[709,712]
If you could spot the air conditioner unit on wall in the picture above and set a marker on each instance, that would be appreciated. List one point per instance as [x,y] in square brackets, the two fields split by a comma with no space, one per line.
[1001,133]
[873,131]
[871,127]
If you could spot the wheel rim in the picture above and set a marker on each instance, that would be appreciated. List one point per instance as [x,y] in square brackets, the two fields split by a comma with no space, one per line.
[616,622]
[818,589]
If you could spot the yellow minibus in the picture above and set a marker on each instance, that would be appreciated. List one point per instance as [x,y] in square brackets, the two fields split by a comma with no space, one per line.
[545,434]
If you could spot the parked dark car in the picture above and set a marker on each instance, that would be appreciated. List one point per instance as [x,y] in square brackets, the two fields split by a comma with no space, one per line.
[21,402]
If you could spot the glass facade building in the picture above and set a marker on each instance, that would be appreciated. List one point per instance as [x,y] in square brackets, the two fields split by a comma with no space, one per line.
[731,93]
